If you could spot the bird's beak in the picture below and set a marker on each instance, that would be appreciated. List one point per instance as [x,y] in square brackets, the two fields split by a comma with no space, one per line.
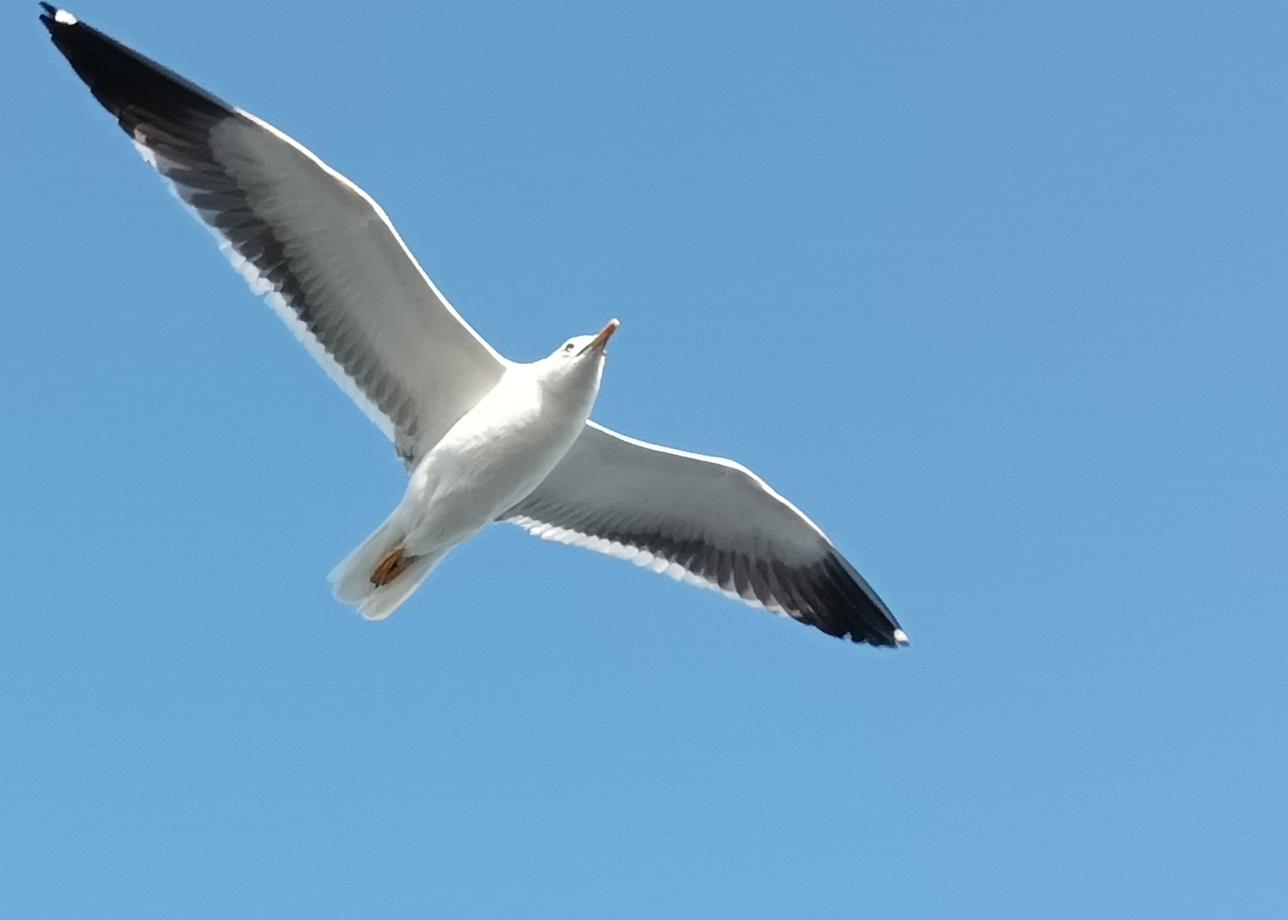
[601,340]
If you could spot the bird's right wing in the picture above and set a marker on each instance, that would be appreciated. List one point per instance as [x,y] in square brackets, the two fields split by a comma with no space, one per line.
[708,521]
[323,253]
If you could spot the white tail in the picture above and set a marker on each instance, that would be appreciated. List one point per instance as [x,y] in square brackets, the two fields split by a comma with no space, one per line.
[351,579]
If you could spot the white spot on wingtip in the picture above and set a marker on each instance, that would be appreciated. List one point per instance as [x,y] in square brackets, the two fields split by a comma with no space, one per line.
[900,637]
[62,17]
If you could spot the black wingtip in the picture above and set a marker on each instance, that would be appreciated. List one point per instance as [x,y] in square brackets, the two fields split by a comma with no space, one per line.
[854,607]
[50,18]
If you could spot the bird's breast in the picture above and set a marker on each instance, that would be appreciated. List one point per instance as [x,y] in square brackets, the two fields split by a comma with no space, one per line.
[504,447]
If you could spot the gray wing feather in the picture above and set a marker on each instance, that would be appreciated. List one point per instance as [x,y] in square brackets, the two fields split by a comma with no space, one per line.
[323,253]
[708,521]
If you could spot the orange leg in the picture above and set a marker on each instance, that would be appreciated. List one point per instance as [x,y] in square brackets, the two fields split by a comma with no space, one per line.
[390,566]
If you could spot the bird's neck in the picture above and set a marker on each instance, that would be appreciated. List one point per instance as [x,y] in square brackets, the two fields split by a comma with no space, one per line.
[572,389]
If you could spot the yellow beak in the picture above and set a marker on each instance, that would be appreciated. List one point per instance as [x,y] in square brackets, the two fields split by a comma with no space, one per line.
[600,340]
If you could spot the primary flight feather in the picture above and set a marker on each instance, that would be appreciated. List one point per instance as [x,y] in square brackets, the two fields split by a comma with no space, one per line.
[485,439]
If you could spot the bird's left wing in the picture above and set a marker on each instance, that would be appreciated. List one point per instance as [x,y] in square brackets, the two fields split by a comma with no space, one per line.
[708,521]
[323,253]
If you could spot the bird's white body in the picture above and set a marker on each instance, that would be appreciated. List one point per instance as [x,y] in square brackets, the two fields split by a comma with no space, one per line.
[489,461]
[492,459]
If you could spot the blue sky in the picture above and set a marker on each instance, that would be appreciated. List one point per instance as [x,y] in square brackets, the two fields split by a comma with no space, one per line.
[994,291]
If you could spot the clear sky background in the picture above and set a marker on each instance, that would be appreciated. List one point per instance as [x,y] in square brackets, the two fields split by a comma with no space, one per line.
[995,291]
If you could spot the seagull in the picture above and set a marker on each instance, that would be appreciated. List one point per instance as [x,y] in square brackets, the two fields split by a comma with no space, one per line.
[484,439]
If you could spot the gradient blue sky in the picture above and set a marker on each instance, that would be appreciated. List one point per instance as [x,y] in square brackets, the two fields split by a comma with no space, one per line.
[995,291]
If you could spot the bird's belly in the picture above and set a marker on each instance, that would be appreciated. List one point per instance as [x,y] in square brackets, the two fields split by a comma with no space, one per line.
[479,471]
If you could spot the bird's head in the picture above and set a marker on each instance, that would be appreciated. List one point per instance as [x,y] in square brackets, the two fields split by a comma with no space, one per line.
[579,362]
[586,347]
[582,352]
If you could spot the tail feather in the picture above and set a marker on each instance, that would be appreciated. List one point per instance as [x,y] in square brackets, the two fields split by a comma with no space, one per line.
[352,579]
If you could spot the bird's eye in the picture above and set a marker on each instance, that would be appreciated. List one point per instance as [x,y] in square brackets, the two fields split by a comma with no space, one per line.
[568,347]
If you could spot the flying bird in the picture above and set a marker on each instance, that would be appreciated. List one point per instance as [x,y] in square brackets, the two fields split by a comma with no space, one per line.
[484,438]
